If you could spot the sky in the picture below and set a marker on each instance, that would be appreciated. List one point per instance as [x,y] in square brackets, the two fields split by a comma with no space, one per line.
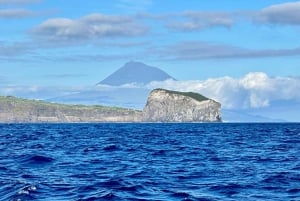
[226,49]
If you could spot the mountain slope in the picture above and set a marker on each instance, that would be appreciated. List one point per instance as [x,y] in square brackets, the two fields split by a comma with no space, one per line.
[135,72]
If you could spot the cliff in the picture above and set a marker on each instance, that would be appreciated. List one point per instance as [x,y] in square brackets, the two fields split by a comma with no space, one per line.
[172,106]
[21,110]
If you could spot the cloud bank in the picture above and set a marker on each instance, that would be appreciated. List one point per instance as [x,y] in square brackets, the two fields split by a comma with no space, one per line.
[278,14]
[255,90]
[123,31]
[199,50]
[284,14]
[93,26]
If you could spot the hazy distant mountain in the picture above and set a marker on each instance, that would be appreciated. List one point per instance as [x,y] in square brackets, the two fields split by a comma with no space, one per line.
[135,72]
[131,72]
[242,116]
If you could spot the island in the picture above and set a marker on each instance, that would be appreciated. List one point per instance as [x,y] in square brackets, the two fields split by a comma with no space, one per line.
[174,106]
[162,106]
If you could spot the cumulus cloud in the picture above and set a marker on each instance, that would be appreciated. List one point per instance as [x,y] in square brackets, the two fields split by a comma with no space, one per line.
[254,90]
[197,50]
[94,26]
[15,13]
[286,13]
[198,20]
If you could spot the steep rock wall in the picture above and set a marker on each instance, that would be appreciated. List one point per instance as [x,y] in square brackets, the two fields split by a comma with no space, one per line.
[171,106]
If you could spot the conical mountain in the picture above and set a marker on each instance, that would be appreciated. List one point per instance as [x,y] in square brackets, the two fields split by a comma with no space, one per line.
[135,72]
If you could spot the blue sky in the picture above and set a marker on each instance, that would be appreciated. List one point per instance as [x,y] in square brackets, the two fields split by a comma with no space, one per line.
[54,43]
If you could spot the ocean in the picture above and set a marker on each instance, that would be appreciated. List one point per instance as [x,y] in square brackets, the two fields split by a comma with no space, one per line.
[217,162]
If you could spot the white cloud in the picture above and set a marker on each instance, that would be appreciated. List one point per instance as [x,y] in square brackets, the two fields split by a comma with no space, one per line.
[254,90]
[93,26]
[256,80]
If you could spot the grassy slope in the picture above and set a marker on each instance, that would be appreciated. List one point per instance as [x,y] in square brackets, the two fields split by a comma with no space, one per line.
[14,109]
[193,95]
[21,101]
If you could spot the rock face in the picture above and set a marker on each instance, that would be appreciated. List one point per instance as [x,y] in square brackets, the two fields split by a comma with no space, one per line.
[172,106]
[15,110]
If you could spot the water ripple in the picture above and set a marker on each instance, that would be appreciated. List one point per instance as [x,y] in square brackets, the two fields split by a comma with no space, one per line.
[206,162]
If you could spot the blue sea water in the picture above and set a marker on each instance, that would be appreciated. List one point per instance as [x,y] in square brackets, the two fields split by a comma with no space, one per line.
[149,162]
